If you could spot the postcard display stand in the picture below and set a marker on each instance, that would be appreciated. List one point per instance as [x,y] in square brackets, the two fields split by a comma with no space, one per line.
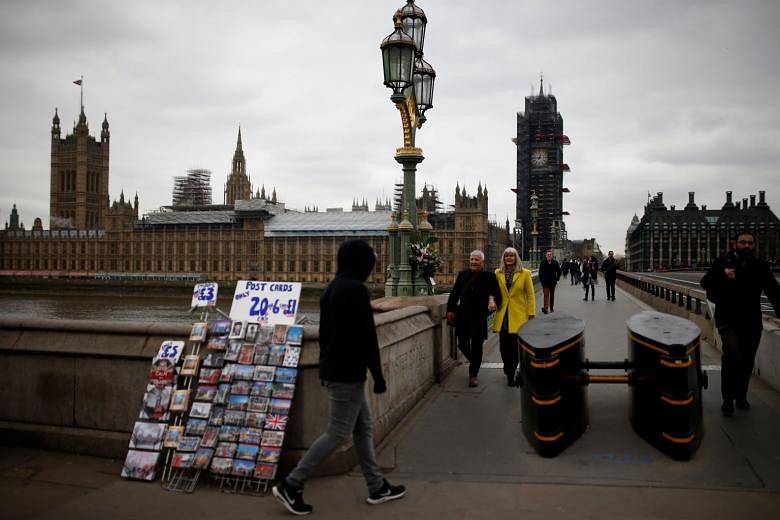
[230,411]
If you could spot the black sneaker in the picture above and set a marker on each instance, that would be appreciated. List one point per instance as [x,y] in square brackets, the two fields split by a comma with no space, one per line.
[742,404]
[291,498]
[728,407]
[388,492]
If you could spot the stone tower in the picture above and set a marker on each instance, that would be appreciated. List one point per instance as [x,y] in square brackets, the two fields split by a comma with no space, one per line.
[79,176]
[540,168]
[238,186]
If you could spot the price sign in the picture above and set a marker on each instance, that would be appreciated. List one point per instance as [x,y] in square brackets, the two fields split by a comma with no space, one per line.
[266,302]
[170,350]
[204,295]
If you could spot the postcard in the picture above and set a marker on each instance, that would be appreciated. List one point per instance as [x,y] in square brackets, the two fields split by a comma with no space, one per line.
[229,433]
[232,351]
[156,403]
[276,354]
[141,465]
[280,333]
[237,402]
[234,417]
[226,449]
[265,471]
[269,454]
[221,465]
[180,400]
[198,331]
[227,373]
[195,426]
[276,422]
[292,355]
[147,435]
[243,372]
[257,404]
[220,327]
[250,435]
[209,376]
[246,355]
[247,451]
[264,373]
[182,460]
[250,332]
[295,334]
[172,436]
[243,468]
[282,391]
[200,410]
[261,389]
[254,419]
[205,393]
[209,439]
[217,416]
[265,335]
[202,458]
[240,387]
[272,438]
[163,372]
[279,405]
[190,365]
[237,330]
[261,354]
[188,443]
[217,343]
[214,359]
[286,375]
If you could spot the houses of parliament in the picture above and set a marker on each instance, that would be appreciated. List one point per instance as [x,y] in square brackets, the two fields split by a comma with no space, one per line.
[250,235]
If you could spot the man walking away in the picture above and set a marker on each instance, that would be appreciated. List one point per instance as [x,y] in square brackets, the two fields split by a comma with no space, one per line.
[734,284]
[609,268]
[549,274]
[348,347]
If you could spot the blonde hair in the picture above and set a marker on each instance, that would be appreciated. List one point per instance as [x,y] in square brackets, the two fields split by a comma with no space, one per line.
[518,263]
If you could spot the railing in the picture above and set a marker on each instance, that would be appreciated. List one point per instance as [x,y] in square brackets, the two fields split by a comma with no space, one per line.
[694,300]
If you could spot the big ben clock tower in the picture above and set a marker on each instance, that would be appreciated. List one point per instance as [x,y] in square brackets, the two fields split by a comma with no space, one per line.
[540,140]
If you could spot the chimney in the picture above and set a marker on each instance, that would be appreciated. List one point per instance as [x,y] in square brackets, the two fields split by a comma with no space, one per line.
[761,196]
[752,201]
[728,198]
[671,207]
[744,204]
[690,197]
[691,206]
[704,207]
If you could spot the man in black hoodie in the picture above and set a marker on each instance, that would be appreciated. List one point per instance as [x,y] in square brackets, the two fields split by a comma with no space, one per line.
[734,284]
[348,347]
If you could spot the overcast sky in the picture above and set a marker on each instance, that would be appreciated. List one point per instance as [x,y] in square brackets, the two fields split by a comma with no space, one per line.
[662,96]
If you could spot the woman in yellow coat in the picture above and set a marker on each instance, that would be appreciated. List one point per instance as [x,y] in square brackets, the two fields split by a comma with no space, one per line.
[518,305]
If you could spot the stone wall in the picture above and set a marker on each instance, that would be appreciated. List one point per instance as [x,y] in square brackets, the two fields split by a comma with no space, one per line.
[77,386]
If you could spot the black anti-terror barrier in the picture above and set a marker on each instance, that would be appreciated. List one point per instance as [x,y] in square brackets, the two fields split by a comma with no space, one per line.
[663,371]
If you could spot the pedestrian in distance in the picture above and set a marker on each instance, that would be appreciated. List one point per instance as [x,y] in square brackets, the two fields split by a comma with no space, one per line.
[734,284]
[518,305]
[575,271]
[549,274]
[348,348]
[590,277]
[473,297]
[609,267]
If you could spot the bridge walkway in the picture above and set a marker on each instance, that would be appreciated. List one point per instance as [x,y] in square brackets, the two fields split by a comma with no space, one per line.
[462,455]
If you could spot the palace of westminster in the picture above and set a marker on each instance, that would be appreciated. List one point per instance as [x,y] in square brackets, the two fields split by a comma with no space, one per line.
[253,234]
[250,235]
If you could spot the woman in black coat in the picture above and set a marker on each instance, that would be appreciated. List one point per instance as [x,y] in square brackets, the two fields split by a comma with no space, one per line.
[473,297]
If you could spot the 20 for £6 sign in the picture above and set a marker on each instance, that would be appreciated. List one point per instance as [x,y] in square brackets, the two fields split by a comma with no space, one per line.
[266,302]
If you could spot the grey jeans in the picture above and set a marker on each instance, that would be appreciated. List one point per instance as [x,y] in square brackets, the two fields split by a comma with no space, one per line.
[349,416]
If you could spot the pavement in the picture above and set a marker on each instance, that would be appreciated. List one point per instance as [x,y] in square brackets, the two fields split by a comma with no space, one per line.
[462,455]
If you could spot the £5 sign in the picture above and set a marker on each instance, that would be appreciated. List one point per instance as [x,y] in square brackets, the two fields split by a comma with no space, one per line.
[265,302]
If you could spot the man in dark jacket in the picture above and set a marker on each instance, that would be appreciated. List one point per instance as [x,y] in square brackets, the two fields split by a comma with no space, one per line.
[734,284]
[549,274]
[348,347]
[473,297]
[609,268]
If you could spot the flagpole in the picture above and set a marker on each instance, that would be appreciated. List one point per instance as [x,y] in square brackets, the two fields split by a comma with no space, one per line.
[81,85]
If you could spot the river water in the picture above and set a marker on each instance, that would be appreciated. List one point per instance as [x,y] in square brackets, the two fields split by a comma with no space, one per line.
[116,307]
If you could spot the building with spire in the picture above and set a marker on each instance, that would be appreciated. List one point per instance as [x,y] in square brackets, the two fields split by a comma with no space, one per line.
[238,186]
[540,167]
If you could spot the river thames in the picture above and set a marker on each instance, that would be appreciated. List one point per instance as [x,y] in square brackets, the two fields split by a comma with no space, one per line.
[119,306]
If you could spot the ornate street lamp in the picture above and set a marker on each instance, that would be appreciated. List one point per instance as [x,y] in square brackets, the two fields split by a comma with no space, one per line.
[411,79]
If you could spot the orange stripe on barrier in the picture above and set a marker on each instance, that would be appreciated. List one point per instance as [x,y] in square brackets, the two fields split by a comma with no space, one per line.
[548,438]
[649,345]
[677,402]
[693,347]
[550,364]
[670,364]
[527,349]
[567,346]
[677,440]
[545,402]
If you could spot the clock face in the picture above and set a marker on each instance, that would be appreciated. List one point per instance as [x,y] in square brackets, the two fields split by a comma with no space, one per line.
[538,157]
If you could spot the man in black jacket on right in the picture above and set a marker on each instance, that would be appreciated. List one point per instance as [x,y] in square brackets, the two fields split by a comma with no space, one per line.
[609,268]
[734,284]
[348,347]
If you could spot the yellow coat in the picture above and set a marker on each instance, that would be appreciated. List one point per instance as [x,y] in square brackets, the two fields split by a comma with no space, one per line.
[519,300]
